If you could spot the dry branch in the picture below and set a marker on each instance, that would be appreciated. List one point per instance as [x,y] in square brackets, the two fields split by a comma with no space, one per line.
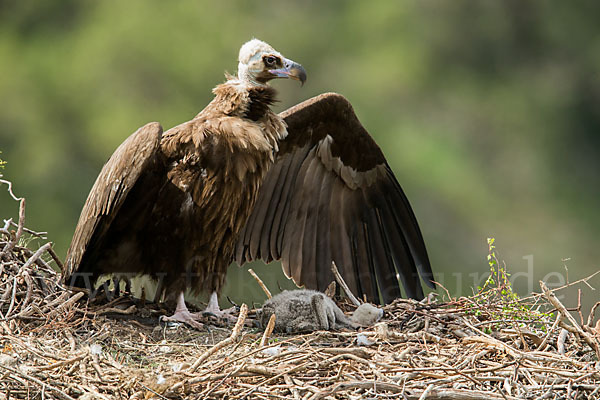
[343,284]
[574,327]
[235,334]
[268,330]
[260,283]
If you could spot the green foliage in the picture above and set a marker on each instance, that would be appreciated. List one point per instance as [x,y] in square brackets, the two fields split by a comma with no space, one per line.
[497,301]
[2,163]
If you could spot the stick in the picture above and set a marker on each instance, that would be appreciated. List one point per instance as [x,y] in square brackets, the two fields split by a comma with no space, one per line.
[62,363]
[268,330]
[55,257]
[212,389]
[293,389]
[260,283]
[29,283]
[4,229]
[36,255]
[235,334]
[286,372]
[65,304]
[426,392]
[39,261]
[41,235]
[590,319]
[59,393]
[342,283]
[11,243]
[584,280]
[9,183]
[12,298]
[561,309]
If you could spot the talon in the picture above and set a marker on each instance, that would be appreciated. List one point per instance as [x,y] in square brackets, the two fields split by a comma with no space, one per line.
[164,320]
[180,317]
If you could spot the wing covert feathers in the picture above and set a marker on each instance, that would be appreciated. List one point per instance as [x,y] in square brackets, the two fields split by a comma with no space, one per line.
[331,196]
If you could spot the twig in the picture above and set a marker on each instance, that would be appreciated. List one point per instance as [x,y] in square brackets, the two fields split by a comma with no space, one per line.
[582,280]
[9,183]
[28,293]
[390,387]
[55,257]
[260,283]
[39,261]
[561,309]
[109,310]
[343,284]
[73,299]
[11,243]
[590,319]
[271,379]
[7,223]
[426,392]
[37,255]
[12,298]
[235,334]
[41,235]
[215,387]
[268,330]
[59,393]
[63,363]
[293,389]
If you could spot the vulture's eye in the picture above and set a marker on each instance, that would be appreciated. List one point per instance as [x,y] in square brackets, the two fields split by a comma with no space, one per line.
[270,61]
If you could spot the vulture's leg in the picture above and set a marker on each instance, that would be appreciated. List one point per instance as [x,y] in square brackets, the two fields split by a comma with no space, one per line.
[213,309]
[117,284]
[160,290]
[182,314]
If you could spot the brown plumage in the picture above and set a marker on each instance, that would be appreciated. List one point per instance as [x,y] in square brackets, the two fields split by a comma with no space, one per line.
[331,195]
[234,184]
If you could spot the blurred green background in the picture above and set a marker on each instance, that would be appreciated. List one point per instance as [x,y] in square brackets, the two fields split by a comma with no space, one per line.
[488,112]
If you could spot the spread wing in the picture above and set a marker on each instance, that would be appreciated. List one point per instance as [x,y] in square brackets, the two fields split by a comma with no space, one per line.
[118,176]
[331,196]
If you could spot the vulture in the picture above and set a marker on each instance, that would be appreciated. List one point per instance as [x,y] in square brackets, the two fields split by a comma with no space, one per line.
[238,183]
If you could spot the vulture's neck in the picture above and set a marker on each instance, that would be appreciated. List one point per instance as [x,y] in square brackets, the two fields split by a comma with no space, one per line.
[243,99]
[260,100]
[251,102]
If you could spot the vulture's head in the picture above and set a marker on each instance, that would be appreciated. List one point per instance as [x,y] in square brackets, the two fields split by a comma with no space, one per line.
[259,63]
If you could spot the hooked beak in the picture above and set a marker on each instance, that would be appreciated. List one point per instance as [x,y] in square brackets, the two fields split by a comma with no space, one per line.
[291,70]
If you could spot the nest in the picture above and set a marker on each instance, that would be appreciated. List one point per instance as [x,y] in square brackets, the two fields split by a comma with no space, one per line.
[30,288]
[56,345]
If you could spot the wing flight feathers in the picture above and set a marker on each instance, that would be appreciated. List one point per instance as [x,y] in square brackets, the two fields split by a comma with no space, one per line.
[114,182]
[331,196]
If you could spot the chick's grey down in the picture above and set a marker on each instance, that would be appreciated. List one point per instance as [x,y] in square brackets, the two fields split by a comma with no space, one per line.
[308,310]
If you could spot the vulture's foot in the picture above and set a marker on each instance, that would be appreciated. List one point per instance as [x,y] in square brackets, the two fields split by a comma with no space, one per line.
[182,314]
[229,315]
[186,317]
[213,310]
